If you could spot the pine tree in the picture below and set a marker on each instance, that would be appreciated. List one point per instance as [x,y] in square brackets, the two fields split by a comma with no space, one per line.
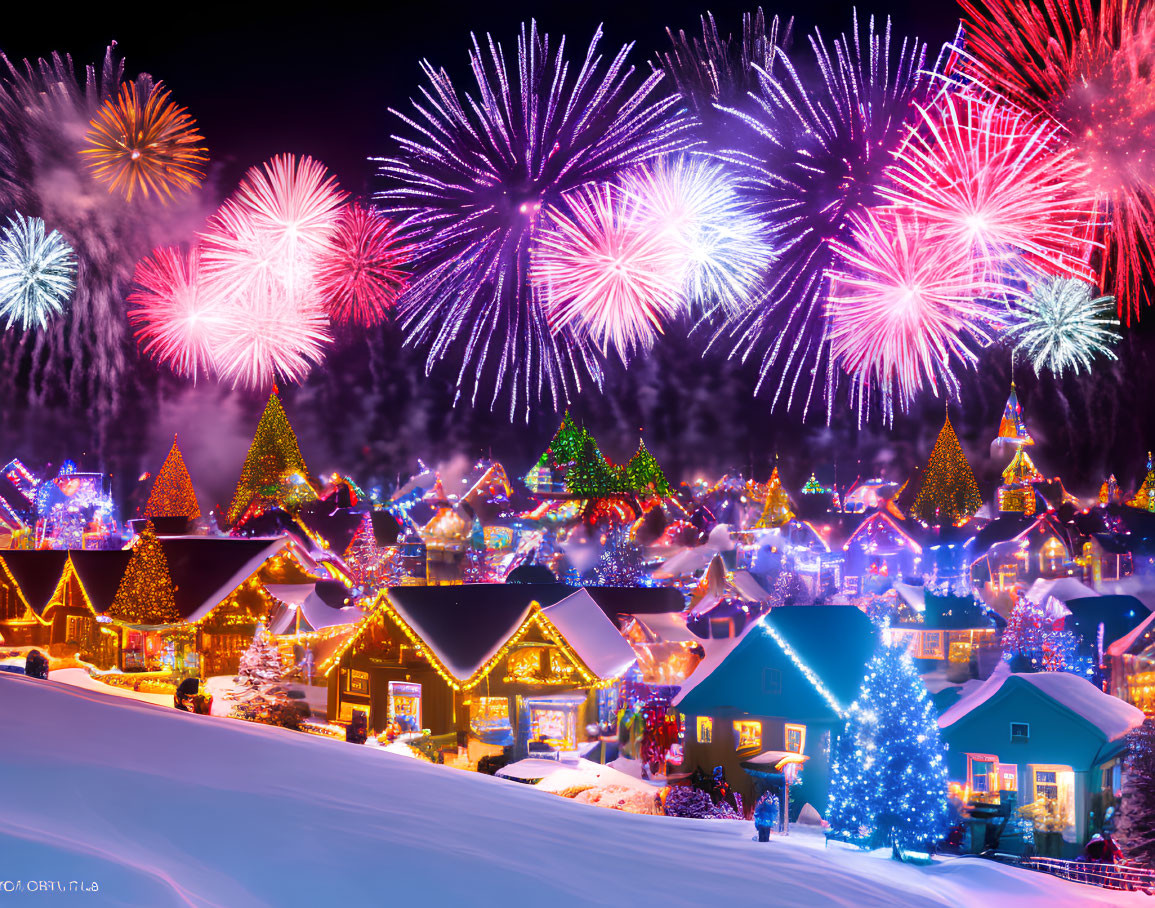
[145,594]
[949,493]
[776,510]
[364,557]
[261,663]
[567,443]
[172,493]
[591,476]
[274,472]
[888,774]
[1135,823]
[645,475]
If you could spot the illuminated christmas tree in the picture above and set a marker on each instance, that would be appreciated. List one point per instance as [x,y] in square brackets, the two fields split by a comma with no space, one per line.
[367,561]
[567,444]
[172,493]
[261,663]
[949,493]
[145,594]
[590,476]
[1145,497]
[776,511]
[274,472]
[888,774]
[644,473]
[1035,642]
[620,563]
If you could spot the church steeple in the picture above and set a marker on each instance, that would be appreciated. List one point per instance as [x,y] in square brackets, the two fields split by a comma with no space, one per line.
[1013,433]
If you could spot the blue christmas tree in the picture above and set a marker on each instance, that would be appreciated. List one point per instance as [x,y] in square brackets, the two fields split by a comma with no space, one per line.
[888,778]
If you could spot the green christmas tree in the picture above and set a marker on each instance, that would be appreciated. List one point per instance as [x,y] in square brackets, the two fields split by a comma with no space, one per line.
[145,594]
[645,475]
[274,472]
[566,446]
[949,493]
[590,476]
[172,494]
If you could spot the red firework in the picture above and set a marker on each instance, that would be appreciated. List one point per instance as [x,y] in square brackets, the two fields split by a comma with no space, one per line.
[362,274]
[178,321]
[1094,72]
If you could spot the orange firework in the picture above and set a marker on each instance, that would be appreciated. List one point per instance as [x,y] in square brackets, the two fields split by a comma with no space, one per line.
[147,148]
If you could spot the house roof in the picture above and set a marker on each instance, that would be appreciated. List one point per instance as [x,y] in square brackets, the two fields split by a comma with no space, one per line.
[464,626]
[36,573]
[666,628]
[321,604]
[635,600]
[1118,615]
[1138,640]
[101,572]
[881,520]
[1064,589]
[1001,529]
[1112,717]
[593,636]
[206,569]
[830,645]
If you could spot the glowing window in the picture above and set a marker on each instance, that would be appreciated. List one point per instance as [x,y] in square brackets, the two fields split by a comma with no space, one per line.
[747,733]
[705,730]
[795,738]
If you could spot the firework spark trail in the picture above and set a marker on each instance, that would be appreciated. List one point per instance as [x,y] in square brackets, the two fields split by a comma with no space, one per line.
[473,176]
[86,357]
[905,309]
[146,147]
[695,201]
[177,319]
[364,272]
[811,158]
[1063,325]
[1093,70]
[999,182]
[37,272]
[608,270]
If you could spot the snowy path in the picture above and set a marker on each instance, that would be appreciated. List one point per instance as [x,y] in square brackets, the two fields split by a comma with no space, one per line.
[165,808]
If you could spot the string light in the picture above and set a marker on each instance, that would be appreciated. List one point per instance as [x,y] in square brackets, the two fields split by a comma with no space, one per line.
[172,494]
[949,493]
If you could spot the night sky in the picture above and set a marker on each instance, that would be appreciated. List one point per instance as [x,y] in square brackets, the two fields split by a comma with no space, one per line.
[320,84]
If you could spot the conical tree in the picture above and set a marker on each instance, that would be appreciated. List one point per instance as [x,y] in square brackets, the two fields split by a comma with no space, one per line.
[1135,823]
[365,557]
[172,493]
[776,511]
[590,476]
[566,445]
[949,494]
[274,472]
[261,663]
[145,594]
[888,773]
[645,474]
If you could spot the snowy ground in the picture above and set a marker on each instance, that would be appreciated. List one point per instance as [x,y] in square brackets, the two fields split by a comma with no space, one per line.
[160,808]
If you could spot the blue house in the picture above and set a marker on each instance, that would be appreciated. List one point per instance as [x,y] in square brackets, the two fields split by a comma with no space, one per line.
[778,689]
[1048,739]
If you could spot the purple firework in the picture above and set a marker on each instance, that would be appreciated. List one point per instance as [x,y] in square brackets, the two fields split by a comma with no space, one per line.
[811,154]
[469,183]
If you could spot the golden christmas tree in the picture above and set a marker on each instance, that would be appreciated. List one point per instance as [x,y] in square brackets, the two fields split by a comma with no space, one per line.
[172,494]
[145,594]
[949,493]
[274,472]
[776,512]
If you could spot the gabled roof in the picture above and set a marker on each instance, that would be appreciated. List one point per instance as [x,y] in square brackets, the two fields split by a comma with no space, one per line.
[1137,641]
[593,636]
[1108,715]
[1063,588]
[636,600]
[882,522]
[206,569]
[321,605]
[464,626]
[1118,616]
[36,572]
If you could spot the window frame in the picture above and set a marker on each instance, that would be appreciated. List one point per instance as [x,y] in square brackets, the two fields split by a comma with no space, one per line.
[1023,738]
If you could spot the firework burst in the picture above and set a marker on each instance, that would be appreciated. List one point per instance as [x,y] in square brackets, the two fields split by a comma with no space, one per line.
[696,202]
[148,147]
[37,272]
[178,320]
[1092,68]
[608,270]
[473,177]
[905,310]
[1063,325]
[998,182]
[363,273]
[811,156]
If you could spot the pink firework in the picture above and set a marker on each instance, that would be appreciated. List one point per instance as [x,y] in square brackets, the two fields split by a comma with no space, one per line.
[1091,66]
[261,253]
[1000,182]
[361,275]
[904,309]
[603,268]
[177,320]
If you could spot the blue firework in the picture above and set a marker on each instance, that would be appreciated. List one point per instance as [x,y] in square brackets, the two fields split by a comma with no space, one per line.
[470,179]
[37,272]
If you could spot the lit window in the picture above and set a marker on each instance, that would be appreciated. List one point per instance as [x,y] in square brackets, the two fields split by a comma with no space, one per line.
[747,733]
[705,730]
[1020,732]
[795,738]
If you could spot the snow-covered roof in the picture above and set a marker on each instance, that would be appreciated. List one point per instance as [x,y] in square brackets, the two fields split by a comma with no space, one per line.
[318,613]
[1064,589]
[691,560]
[914,596]
[716,652]
[246,570]
[668,627]
[1123,644]
[1110,715]
[592,635]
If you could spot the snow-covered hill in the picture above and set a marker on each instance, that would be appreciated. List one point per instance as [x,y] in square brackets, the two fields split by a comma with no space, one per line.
[165,808]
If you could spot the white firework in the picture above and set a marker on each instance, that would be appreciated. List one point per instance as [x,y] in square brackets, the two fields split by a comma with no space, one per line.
[1063,325]
[37,272]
